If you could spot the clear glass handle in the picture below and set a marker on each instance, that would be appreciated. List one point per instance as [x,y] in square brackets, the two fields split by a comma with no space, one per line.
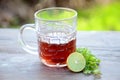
[26,47]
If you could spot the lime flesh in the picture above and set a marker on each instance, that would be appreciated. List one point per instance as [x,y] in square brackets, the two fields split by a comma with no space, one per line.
[76,62]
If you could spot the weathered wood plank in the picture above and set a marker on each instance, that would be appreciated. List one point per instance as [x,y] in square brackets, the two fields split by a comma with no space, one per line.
[16,64]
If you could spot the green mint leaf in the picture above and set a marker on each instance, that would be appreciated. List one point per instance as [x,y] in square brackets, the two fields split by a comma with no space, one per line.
[92,62]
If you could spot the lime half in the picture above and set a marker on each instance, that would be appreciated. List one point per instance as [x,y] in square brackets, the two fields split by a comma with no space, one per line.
[76,62]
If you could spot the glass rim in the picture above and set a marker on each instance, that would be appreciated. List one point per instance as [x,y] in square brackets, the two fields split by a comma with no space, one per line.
[67,9]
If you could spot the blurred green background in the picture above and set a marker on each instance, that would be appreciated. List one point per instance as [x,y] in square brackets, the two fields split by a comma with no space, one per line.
[92,14]
[105,17]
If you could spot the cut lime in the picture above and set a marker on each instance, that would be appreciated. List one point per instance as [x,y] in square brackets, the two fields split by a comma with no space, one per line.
[76,62]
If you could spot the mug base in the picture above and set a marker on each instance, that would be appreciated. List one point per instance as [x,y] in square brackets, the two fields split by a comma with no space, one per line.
[53,65]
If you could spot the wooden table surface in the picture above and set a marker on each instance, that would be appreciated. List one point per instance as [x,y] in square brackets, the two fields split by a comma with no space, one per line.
[16,64]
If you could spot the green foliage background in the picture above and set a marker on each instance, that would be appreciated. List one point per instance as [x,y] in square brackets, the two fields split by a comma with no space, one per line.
[97,17]
[100,18]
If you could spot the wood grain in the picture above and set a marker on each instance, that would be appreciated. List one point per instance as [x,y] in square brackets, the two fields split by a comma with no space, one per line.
[16,64]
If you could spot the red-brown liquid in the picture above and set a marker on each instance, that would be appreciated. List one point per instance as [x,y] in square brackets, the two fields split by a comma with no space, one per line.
[56,53]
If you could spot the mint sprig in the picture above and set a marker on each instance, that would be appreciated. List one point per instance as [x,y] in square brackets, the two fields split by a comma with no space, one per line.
[92,62]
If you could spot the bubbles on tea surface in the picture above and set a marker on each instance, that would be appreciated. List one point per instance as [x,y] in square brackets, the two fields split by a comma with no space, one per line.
[57,38]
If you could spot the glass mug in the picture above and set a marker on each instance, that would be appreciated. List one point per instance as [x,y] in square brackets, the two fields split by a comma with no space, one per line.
[56,35]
